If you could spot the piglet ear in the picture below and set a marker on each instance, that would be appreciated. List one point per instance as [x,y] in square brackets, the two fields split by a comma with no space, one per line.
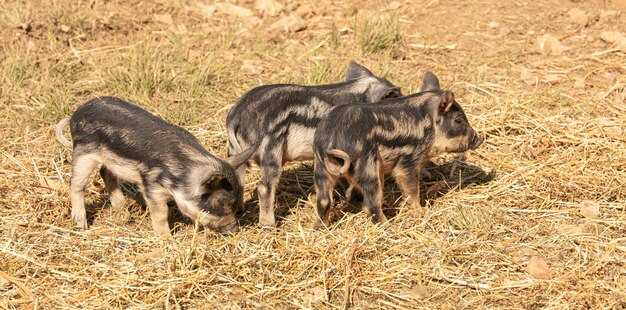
[356,71]
[238,159]
[216,181]
[393,92]
[430,82]
[447,99]
[337,162]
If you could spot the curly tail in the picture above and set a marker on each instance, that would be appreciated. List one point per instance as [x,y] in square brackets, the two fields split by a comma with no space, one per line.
[59,132]
[232,143]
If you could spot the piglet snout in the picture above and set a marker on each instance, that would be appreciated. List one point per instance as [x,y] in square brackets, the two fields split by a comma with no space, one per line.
[230,228]
[476,141]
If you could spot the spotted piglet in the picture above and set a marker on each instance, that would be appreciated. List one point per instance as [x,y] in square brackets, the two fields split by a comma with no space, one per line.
[362,142]
[163,160]
[281,119]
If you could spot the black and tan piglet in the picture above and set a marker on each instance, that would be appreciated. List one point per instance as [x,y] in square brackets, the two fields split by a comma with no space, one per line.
[281,119]
[163,160]
[362,142]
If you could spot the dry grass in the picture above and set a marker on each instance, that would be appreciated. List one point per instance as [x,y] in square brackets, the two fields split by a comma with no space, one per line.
[502,227]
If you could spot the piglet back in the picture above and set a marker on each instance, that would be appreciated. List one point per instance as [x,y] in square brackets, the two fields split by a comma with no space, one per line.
[131,132]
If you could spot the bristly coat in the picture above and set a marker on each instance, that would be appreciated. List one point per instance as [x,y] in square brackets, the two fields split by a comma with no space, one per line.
[282,118]
[163,160]
[362,142]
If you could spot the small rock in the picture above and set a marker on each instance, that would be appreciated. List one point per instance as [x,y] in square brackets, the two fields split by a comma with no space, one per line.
[22,222]
[394,5]
[592,228]
[551,78]
[589,209]
[397,54]
[154,254]
[304,11]
[268,7]
[417,292]
[164,18]
[528,252]
[588,228]
[234,10]
[607,15]
[538,268]
[483,69]
[610,127]
[614,37]
[578,17]
[249,67]
[206,10]
[290,23]
[504,31]
[65,28]
[345,31]
[619,4]
[549,45]
[493,25]
[528,77]
[579,84]
[316,294]
[26,27]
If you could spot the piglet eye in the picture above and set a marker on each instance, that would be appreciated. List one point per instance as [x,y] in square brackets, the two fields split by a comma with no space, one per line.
[458,120]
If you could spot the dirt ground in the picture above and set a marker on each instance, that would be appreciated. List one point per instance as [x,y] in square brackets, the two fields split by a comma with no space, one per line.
[534,218]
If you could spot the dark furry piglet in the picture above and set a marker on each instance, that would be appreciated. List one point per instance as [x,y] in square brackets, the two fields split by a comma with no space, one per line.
[362,142]
[281,119]
[163,160]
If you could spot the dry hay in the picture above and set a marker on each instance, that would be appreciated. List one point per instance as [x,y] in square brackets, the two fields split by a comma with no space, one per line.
[534,218]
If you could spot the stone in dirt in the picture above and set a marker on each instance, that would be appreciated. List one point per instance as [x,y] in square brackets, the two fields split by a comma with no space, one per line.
[249,67]
[268,7]
[234,10]
[550,45]
[589,209]
[614,37]
[154,254]
[289,23]
[551,79]
[587,228]
[528,77]
[578,17]
[538,268]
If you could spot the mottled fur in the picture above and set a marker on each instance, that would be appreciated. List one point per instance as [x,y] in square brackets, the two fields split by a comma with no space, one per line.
[281,119]
[362,142]
[163,160]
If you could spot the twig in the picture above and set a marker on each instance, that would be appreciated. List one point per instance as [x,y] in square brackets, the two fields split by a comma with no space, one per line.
[447,278]
[434,46]
[346,287]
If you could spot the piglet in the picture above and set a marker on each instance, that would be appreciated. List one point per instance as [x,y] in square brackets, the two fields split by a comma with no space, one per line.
[363,142]
[281,119]
[163,160]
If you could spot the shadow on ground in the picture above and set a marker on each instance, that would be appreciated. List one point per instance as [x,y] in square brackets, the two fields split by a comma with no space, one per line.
[297,185]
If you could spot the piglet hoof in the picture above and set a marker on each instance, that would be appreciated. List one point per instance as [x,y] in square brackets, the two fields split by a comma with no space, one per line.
[163,233]
[318,225]
[267,223]
[80,220]
[416,212]
[266,219]
[425,174]
[414,204]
